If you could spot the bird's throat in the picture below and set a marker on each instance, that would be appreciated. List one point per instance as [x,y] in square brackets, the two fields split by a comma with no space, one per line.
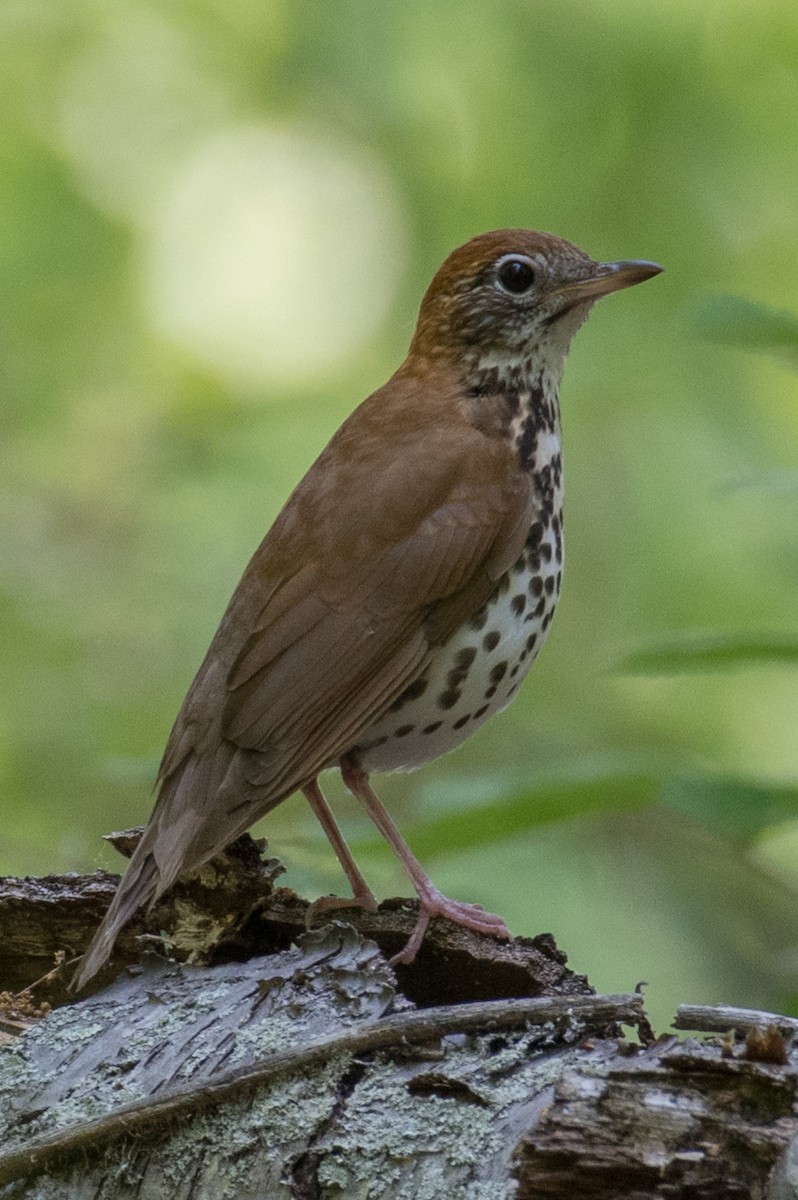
[518,400]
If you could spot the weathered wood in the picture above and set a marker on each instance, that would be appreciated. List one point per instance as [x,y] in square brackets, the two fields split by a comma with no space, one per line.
[718,1018]
[232,909]
[309,1073]
[396,1032]
[313,1030]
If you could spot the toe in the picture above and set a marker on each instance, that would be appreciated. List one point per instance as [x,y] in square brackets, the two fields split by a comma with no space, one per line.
[324,903]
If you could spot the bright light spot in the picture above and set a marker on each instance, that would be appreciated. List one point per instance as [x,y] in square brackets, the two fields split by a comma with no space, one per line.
[275,253]
[133,99]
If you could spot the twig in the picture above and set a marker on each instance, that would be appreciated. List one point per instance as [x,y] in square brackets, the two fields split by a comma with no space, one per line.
[720,1018]
[410,1028]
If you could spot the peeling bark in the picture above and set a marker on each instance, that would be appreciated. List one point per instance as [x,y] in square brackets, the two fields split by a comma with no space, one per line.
[231,909]
[316,1072]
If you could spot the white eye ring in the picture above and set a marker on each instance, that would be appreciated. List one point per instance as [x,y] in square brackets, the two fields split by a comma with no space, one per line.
[516,274]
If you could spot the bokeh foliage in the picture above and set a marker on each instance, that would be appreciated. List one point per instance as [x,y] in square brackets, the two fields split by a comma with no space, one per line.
[216,221]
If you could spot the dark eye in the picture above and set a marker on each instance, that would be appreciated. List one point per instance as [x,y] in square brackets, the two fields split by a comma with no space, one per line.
[516,275]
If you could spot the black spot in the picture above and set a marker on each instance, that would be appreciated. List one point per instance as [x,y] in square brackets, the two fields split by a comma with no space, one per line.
[415,689]
[519,565]
[547,619]
[545,552]
[403,730]
[480,618]
[518,604]
[491,692]
[498,673]
[541,608]
[527,442]
[481,711]
[559,580]
[536,585]
[543,408]
[512,689]
[449,698]
[549,585]
[431,728]
[514,671]
[491,640]
[462,721]
[530,641]
[462,665]
[543,479]
[534,562]
[534,535]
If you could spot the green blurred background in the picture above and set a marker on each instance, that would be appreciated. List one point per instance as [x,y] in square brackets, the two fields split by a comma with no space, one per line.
[217,218]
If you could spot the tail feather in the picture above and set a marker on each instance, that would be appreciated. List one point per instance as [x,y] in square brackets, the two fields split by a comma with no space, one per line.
[202,807]
[138,887]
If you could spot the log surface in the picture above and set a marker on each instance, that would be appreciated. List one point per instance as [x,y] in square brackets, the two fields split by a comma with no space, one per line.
[313,1071]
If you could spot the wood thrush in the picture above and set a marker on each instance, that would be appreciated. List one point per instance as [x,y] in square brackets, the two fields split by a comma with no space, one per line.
[404,590]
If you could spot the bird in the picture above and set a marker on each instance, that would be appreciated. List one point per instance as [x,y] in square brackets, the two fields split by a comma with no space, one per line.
[405,588]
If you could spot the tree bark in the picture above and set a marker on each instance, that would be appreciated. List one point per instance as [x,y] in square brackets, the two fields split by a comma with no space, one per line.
[485,1070]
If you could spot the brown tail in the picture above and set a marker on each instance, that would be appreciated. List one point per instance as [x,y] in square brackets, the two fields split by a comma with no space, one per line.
[202,807]
[184,830]
[138,888]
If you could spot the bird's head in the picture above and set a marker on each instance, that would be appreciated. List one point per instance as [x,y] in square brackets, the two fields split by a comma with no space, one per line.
[514,293]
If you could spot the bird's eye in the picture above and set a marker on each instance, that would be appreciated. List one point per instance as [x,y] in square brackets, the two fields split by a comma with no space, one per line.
[516,275]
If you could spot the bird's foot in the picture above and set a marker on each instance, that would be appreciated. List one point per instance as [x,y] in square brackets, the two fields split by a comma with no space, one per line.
[433,903]
[365,900]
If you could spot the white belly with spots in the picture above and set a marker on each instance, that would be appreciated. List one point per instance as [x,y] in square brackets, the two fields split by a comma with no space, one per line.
[476,673]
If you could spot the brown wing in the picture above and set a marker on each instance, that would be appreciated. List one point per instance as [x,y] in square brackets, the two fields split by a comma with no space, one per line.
[395,535]
[331,648]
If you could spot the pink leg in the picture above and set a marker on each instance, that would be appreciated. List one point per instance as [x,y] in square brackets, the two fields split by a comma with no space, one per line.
[362,895]
[432,903]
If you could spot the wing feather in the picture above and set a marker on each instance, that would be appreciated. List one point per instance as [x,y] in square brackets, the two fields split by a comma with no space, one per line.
[370,566]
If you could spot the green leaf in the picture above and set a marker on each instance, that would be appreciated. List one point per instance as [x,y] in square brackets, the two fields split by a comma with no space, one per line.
[739,322]
[737,808]
[523,808]
[711,652]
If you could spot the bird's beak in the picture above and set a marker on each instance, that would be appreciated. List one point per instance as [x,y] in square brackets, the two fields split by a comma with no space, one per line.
[603,278]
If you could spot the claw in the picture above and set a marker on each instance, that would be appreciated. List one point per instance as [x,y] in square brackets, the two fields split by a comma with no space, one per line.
[433,903]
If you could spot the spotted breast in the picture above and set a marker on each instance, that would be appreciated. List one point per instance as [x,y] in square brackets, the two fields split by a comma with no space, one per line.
[479,669]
